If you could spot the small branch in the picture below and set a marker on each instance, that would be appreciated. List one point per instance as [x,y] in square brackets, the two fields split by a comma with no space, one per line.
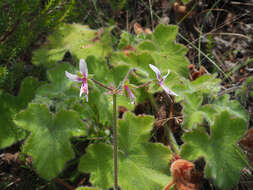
[168,119]
[115,151]
[234,88]
[124,80]
[145,84]
[100,84]
[151,14]
[60,181]
[10,32]
[170,123]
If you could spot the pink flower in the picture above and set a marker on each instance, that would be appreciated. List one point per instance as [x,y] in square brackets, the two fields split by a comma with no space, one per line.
[82,78]
[162,79]
[131,95]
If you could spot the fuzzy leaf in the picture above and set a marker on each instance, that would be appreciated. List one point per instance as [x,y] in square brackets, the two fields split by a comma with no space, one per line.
[224,159]
[78,39]
[233,106]
[9,106]
[97,109]
[194,112]
[48,143]
[206,84]
[60,87]
[168,54]
[142,165]
[125,39]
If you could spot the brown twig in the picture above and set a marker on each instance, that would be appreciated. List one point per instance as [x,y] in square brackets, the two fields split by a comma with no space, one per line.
[60,181]
[100,84]
[10,31]
[145,84]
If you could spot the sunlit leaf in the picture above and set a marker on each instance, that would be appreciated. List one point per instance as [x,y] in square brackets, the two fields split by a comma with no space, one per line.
[142,165]
[78,39]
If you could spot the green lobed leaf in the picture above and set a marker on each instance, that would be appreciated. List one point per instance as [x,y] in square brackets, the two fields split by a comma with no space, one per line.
[224,159]
[60,86]
[97,108]
[233,106]
[168,54]
[48,142]
[9,106]
[206,84]
[142,165]
[194,112]
[78,39]
[125,39]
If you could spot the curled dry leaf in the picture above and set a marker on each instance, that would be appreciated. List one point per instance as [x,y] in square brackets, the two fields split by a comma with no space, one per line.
[137,28]
[181,171]
[98,35]
[182,10]
[194,73]
[247,140]
[127,49]
[147,31]
[247,144]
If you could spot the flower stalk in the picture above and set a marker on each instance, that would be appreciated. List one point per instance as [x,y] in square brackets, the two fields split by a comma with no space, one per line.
[115,148]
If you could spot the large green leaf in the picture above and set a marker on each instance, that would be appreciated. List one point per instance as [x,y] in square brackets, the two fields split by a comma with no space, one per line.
[60,86]
[224,159]
[97,108]
[62,93]
[142,165]
[206,84]
[233,106]
[78,39]
[194,112]
[48,142]
[9,106]
[167,53]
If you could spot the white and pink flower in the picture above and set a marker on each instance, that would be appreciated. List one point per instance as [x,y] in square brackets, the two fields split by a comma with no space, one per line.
[161,79]
[81,78]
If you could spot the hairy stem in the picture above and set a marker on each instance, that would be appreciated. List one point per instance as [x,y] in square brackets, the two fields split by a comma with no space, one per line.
[124,80]
[100,84]
[115,158]
[169,128]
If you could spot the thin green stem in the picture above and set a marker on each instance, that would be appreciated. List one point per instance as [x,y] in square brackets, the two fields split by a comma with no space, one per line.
[115,157]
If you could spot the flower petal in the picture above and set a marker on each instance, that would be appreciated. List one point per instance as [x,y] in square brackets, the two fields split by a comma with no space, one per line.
[81,90]
[84,89]
[83,67]
[167,90]
[73,77]
[164,77]
[131,95]
[156,70]
[86,96]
